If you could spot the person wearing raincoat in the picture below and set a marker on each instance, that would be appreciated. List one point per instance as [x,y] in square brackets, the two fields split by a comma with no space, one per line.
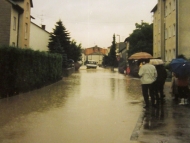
[148,75]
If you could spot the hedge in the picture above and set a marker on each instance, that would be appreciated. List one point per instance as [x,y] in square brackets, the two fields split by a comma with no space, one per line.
[23,70]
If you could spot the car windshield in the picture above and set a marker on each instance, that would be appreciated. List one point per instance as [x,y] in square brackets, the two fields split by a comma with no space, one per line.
[91,62]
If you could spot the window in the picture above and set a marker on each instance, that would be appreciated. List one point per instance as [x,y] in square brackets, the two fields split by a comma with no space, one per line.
[173,57]
[174,5]
[170,8]
[169,32]
[174,30]
[27,10]
[166,56]
[159,47]
[13,44]
[166,11]
[166,34]
[158,7]
[159,26]
[26,30]
[14,23]
[170,55]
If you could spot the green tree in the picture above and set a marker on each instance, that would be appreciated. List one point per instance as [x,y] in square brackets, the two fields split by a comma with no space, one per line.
[75,51]
[141,40]
[60,33]
[105,61]
[112,53]
[59,41]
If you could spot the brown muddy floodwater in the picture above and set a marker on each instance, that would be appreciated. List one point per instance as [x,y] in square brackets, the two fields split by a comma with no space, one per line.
[90,106]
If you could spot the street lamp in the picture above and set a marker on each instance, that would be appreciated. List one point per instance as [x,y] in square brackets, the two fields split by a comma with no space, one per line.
[117,54]
[119,41]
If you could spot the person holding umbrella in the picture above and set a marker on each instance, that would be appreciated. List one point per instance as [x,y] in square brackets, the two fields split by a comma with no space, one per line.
[181,68]
[160,80]
[148,75]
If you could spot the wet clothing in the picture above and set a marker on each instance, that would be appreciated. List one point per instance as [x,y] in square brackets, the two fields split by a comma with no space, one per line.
[160,81]
[174,89]
[148,75]
[182,85]
[182,81]
[146,90]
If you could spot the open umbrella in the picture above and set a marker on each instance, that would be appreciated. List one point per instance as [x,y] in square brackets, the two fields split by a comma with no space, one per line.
[156,61]
[140,55]
[180,66]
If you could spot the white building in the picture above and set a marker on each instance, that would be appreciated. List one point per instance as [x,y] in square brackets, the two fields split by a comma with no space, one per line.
[39,37]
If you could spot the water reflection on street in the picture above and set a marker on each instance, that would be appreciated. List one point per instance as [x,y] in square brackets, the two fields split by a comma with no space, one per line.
[90,106]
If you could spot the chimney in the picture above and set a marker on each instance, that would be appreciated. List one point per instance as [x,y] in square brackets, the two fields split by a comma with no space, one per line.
[43,27]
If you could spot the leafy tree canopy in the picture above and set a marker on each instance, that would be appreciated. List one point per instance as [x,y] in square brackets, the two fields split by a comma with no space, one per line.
[141,40]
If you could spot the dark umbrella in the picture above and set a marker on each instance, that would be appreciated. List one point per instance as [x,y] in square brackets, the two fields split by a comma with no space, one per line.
[180,67]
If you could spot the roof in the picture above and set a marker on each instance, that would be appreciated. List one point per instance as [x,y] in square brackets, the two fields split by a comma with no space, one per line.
[154,9]
[16,6]
[31,3]
[40,27]
[121,46]
[95,51]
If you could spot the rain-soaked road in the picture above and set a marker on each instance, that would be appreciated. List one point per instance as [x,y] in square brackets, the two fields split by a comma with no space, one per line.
[90,106]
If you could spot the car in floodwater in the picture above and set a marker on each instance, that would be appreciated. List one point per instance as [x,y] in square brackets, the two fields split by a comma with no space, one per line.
[91,64]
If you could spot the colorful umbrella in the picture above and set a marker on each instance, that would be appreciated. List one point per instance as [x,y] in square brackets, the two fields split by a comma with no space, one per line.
[140,55]
[180,67]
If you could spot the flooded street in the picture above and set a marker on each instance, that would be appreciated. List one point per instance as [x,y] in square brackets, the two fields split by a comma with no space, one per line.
[90,106]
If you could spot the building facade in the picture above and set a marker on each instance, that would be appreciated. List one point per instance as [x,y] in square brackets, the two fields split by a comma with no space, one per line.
[39,37]
[94,53]
[171,29]
[15,22]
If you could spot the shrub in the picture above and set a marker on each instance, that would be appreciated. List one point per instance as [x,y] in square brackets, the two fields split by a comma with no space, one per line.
[22,70]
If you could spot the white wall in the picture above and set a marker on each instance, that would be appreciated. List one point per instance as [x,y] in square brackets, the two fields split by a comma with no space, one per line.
[39,38]
[97,58]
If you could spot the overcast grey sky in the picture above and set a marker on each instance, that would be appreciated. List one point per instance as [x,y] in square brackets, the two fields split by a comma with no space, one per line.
[93,22]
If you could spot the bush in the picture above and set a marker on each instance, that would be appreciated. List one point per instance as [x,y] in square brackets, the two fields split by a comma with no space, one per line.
[23,70]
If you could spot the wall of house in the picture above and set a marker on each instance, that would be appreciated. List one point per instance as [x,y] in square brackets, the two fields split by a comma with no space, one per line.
[184,28]
[162,35]
[97,58]
[95,53]
[156,39]
[5,22]
[39,38]
[24,30]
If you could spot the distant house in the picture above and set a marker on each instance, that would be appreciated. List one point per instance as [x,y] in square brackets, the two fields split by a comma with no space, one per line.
[39,37]
[15,22]
[94,53]
[121,50]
